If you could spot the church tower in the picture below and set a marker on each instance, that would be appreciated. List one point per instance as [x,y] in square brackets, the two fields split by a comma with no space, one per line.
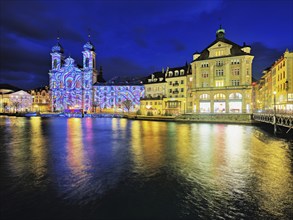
[57,59]
[57,56]
[89,74]
[89,59]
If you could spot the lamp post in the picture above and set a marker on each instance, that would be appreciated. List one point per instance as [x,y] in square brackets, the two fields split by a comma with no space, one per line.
[275,122]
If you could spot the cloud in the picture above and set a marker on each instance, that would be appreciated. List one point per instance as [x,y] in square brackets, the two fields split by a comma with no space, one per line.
[263,57]
[119,66]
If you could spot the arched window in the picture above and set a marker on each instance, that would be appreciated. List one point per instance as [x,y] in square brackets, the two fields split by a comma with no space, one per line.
[219,96]
[235,96]
[170,73]
[204,97]
[86,62]
[69,83]
[55,63]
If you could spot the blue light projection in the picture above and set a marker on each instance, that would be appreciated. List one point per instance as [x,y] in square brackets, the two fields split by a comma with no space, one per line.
[66,87]
[112,96]
[73,88]
[70,86]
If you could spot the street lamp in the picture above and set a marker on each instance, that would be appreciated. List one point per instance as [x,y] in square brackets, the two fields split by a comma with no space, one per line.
[275,122]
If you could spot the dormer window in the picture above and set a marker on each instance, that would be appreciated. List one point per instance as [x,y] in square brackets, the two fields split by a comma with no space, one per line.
[176,73]
[170,74]
[181,72]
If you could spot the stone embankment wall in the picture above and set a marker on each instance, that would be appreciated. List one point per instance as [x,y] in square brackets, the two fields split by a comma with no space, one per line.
[226,118]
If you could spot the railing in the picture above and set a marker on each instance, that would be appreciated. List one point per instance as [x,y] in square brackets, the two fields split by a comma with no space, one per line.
[285,120]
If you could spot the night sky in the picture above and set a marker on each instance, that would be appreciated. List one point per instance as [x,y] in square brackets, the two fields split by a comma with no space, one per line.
[135,37]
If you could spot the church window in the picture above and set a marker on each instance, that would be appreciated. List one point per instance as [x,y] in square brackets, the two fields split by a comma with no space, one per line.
[55,63]
[86,62]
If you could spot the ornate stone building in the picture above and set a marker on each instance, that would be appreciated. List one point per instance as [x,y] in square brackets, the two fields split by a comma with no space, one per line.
[71,86]
[41,99]
[222,77]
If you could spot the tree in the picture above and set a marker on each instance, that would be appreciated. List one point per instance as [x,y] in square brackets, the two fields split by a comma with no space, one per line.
[16,105]
[95,105]
[5,105]
[127,104]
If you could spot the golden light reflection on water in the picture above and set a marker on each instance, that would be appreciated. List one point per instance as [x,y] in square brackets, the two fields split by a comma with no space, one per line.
[147,145]
[74,146]
[273,171]
[17,146]
[37,146]
[183,144]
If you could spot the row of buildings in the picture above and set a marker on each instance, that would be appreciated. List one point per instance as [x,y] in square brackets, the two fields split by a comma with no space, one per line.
[218,80]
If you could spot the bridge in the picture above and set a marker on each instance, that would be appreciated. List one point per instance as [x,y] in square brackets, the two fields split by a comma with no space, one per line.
[284,120]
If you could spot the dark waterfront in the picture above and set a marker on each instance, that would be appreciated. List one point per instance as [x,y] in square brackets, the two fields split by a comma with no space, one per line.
[101,168]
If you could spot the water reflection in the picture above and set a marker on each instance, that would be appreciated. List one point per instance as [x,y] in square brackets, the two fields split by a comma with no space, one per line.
[38,149]
[205,171]
[273,172]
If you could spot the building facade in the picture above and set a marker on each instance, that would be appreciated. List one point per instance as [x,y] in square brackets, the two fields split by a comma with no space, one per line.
[71,87]
[155,91]
[166,92]
[111,96]
[275,88]
[176,90]
[41,99]
[14,99]
[222,77]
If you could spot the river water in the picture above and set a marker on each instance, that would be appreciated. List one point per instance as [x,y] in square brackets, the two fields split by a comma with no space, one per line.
[104,168]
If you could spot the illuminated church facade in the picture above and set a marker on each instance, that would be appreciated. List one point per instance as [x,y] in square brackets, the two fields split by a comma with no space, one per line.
[83,88]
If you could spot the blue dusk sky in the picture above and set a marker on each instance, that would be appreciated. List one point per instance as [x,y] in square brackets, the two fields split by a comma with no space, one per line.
[135,37]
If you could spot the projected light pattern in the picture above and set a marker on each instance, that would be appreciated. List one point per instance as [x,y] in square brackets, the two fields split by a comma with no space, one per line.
[69,89]
[112,96]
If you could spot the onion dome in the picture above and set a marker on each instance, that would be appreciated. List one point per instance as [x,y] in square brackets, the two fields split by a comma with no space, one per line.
[69,61]
[220,32]
[57,48]
[89,46]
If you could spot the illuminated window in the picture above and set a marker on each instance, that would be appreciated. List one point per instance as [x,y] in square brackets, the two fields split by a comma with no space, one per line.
[219,96]
[204,84]
[219,83]
[235,96]
[204,97]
